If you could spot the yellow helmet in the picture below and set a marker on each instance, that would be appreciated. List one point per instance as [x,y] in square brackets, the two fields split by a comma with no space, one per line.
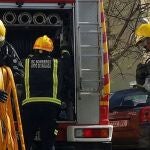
[142,32]
[2,31]
[44,43]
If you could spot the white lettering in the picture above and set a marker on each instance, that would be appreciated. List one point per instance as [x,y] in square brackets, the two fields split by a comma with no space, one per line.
[41,64]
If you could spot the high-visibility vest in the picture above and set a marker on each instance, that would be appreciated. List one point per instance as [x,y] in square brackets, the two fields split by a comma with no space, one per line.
[42,80]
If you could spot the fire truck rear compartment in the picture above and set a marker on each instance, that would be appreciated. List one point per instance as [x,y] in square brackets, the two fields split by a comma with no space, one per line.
[25,25]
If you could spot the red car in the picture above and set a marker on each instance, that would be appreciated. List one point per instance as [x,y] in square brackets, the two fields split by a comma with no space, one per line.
[130,117]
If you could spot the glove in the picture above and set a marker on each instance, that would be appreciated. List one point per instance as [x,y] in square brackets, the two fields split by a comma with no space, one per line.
[64,49]
[3,96]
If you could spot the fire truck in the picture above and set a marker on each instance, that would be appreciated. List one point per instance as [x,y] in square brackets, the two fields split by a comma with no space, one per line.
[79,24]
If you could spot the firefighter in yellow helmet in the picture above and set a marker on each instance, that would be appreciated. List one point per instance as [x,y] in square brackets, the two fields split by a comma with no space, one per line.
[9,57]
[143,40]
[42,99]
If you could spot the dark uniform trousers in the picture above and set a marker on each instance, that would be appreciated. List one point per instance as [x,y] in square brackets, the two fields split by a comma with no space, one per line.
[41,102]
[40,116]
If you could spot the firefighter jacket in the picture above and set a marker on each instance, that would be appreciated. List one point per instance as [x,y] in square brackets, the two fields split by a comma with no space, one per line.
[143,68]
[43,78]
[9,57]
[145,57]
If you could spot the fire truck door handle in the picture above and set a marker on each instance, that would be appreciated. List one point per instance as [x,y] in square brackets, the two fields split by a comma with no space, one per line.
[80,83]
[80,88]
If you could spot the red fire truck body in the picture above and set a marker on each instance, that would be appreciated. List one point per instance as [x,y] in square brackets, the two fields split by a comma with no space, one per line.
[80,24]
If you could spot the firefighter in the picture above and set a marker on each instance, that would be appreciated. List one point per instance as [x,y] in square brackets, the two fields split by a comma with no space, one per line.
[143,41]
[9,57]
[43,83]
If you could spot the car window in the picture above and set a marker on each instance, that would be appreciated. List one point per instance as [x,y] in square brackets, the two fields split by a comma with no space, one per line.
[129,97]
[135,99]
[115,99]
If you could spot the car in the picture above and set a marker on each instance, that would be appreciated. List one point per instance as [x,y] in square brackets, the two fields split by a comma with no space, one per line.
[130,117]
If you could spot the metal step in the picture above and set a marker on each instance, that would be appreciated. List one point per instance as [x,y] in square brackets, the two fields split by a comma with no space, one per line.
[90,31]
[88,23]
[88,46]
[91,55]
[89,93]
[89,70]
[84,1]
[91,81]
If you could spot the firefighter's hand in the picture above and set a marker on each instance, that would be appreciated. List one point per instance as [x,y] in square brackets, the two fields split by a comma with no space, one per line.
[3,96]
[64,49]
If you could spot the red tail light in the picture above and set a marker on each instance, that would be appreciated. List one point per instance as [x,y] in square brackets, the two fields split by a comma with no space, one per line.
[145,114]
[92,133]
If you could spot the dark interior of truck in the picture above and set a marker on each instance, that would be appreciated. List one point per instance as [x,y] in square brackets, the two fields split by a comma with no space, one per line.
[25,25]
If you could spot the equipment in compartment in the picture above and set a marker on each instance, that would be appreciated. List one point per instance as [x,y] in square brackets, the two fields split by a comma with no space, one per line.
[23,17]
[9,17]
[25,25]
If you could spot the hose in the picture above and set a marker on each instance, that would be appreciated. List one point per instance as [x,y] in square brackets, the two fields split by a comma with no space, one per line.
[24,18]
[9,110]
[39,18]
[17,110]
[53,19]
[9,18]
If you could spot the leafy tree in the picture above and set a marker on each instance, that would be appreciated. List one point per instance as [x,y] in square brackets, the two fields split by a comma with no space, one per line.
[122,17]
